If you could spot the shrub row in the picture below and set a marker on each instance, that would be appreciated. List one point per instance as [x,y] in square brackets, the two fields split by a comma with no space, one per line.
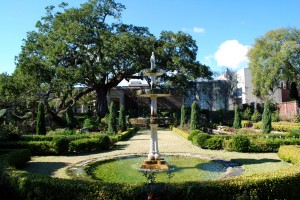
[14,158]
[61,144]
[279,126]
[243,143]
[281,184]
[126,134]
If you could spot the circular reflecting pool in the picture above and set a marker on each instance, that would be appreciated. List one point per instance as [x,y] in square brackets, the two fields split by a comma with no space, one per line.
[181,169]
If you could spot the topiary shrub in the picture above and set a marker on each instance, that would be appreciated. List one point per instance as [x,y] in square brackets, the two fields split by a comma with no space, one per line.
[183,116]
[112,122]
[266,118]
[193,133]
[215,143]
[61,144]
[194,116]
[200,139]
[122,119]
[240,143]
[40,121]
[237,118]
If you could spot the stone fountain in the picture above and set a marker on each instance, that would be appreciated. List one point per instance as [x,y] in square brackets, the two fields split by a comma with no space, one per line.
[154,160]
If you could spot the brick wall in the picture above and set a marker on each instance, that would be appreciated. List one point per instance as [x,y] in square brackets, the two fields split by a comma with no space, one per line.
[288,110]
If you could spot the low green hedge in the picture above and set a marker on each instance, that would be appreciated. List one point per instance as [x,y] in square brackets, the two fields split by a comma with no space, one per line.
[101,142]
[126,134]
[180,132]
[60,144]
[242,142]
[279,126]
[280,184]
[14,157]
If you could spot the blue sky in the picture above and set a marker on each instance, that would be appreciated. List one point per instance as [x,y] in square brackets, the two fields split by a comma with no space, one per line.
[223,29]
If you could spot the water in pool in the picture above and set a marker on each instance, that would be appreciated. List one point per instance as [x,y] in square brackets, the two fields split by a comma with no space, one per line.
[182,169]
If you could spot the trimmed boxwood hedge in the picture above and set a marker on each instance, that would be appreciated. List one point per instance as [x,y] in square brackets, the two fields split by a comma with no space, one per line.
[280,184]
[242,142]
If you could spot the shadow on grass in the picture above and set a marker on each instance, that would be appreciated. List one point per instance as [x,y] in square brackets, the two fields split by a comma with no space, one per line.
[44,168]
[249,161]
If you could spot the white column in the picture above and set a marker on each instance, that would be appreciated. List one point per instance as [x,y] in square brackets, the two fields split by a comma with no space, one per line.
[153,105]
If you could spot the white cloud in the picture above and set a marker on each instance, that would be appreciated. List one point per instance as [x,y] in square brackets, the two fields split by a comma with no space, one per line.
[198,30]
[232,54]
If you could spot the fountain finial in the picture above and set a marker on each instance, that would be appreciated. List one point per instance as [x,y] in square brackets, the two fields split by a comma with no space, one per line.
[152,61]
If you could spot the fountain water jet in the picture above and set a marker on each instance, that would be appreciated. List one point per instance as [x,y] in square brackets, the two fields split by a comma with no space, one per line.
[154,161]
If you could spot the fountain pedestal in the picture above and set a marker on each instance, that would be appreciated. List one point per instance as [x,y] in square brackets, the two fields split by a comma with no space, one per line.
[154,161]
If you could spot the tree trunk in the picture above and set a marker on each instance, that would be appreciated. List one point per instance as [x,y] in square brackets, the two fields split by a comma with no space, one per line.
[101,102]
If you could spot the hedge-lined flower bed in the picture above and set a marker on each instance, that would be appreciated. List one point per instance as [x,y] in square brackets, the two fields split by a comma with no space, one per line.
[281,184]
[280,126]
[241,142]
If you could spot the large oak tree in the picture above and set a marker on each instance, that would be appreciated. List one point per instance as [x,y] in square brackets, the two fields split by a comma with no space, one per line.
[275,57]
[90,47]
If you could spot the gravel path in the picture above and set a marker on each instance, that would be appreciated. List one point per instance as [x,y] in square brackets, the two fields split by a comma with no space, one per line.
[169,142]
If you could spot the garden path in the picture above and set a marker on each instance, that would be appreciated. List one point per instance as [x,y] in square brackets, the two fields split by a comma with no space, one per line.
[169,142]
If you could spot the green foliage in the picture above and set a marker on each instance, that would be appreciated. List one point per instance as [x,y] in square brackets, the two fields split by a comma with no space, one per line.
[16,158]
[237,118]
[256,116]
[215,143]
[122,119]
[183,116]
[181,132]
[101,142]
[90,124]
[295,133]
[40,121]
[273,58]
[61,144]
[112,120]
[281,184]
[290,154]
[240,143]
[266,118]
[200,139]
[247,114]
[70,118]
[194,116]
[126,134]
[246,123]
[194,133]
[275,116]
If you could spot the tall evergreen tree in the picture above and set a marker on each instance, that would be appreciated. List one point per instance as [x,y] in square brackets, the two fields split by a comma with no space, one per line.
[237,118]
[122,119]
[183,116]
[267,118]
[70,118]
[40,121]
[112,120]
[194,116]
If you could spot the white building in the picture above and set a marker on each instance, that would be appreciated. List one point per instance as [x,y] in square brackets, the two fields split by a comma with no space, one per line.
[245,86]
